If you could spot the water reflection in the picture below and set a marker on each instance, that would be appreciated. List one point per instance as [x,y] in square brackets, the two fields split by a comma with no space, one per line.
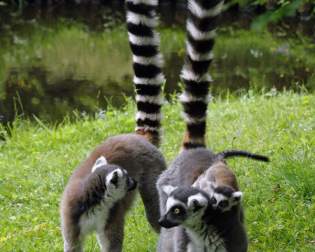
[56,79]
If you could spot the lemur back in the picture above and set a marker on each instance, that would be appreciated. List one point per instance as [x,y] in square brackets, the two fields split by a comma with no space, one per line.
[133,154]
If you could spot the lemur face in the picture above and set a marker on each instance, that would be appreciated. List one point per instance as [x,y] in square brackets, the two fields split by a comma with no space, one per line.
[184,206]
[118,183]
[116,179]
[224,198]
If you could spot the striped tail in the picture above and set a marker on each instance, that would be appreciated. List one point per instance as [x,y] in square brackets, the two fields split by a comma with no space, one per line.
[201,30]
[147,63]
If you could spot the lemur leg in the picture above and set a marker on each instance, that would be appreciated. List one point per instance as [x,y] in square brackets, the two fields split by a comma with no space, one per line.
[70,230]
[102,240]
[68,247]
[114,230]
[150,198]
[72,241]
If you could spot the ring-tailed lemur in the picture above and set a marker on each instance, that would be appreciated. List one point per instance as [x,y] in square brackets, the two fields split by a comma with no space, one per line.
[220,182]
[87,203]
[195,158]
[82,206]
[195,226]
[184,171]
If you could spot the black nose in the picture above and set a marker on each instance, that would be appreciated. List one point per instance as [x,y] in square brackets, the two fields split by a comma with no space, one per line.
[132,184]
[166,223]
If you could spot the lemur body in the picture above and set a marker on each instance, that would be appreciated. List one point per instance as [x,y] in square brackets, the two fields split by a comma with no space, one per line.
[134,153]
[142,161]
[220,182]
[193,225]
[201,167]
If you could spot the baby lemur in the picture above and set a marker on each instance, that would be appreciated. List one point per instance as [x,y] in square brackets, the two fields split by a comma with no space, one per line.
[85,204]
[224,220]
[220,182]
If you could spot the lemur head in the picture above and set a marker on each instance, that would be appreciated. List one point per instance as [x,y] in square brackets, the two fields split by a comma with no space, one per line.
[184,206]
[116,179]
[224,198]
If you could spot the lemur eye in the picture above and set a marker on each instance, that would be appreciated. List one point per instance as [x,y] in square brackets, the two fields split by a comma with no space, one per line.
[176,210]
[213,201]
[223,204]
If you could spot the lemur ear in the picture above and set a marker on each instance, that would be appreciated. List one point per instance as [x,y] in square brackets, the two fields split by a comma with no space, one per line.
[101,161]
[168,189]
[237,196]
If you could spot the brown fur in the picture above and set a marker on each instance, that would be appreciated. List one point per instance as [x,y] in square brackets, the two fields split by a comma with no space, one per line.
[222,175]
[143,162]
[152,136]
[190,141]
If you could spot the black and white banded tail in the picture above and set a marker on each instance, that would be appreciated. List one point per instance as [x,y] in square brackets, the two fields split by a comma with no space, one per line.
[147,63]
[201,30]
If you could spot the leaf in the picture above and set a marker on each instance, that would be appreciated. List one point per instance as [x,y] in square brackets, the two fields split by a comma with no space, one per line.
[287,9]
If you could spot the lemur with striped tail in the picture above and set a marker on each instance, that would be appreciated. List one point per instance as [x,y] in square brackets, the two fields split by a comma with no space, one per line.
[189,217]
[101,189]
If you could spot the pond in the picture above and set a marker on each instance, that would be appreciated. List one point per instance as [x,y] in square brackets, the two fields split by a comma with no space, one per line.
[73,60]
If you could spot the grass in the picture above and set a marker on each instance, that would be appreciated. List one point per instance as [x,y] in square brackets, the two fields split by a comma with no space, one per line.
[37,160]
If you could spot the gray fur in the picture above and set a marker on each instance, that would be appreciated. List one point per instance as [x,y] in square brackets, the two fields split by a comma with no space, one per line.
[142,161]
[184,171]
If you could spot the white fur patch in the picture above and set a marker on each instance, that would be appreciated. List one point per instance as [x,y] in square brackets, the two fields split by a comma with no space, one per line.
[147,128]
[199,198]
[188,74]
[237,194]
[151,99]
[196,56]
[193,120]
[147,2]
[157,81]
[219,197]
[154,117]
[171,201]
[141,19]
[197,34]
[205,185]
[204,13]
[157,60]
[188,97]
[140,40]
[102,240]
[168,189]
[109,177]
[101,161]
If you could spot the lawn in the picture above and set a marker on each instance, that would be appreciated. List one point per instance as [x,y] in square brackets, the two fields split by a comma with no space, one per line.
[279,197]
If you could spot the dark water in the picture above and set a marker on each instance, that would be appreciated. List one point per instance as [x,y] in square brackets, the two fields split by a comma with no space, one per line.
[28,90]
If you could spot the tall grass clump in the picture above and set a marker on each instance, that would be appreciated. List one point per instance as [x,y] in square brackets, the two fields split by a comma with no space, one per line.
[37,160]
